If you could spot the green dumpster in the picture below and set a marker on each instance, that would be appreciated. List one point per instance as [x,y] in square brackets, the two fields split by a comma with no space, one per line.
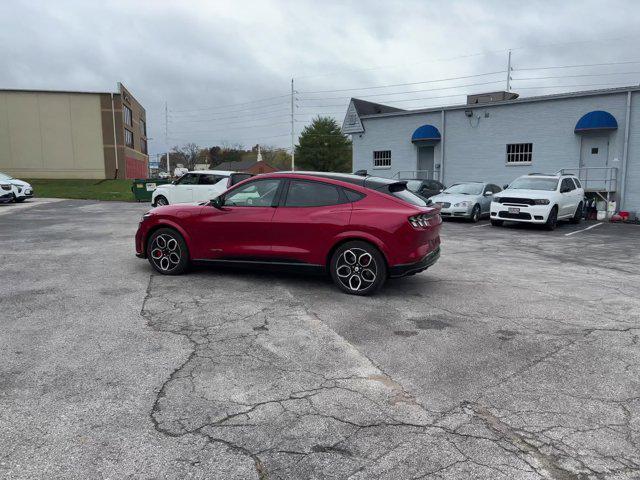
[142,188]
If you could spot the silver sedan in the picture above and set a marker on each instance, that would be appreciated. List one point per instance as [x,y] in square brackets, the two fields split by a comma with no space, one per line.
[470,200]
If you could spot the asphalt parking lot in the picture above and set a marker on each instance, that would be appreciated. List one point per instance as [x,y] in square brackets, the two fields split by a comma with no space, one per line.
[517,356]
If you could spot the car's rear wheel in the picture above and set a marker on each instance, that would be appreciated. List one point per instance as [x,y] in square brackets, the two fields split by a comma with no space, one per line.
[167,252]
[497,223]
[577,216]
[161,201]
[358,268]
[475,214]
[552,220]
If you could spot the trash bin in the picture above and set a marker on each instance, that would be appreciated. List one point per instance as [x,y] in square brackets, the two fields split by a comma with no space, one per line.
[142,188]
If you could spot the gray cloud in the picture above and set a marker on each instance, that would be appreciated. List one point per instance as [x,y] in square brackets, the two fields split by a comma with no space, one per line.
[201,57]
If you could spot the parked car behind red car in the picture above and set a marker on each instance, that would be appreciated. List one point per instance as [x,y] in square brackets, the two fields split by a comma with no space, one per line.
[361,230]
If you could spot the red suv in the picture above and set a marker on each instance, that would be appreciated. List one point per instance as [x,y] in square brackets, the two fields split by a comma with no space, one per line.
[359,229]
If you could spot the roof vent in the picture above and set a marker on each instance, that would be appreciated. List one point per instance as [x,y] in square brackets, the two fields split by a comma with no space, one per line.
[490,97]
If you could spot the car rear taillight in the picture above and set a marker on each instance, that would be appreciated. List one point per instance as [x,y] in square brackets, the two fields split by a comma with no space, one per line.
[424,220]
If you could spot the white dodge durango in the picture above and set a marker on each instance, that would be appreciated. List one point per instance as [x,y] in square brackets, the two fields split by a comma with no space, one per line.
[542,199]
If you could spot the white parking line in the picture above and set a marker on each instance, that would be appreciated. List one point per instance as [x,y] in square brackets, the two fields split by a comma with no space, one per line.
[478,226]
[584,229]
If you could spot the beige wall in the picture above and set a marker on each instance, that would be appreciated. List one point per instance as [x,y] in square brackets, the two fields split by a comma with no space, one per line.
[51,135]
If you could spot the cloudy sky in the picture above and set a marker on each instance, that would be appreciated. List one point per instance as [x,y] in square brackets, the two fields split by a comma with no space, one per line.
[224,68]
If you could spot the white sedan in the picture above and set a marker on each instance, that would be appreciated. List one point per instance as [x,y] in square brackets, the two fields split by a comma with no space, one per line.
[196,186]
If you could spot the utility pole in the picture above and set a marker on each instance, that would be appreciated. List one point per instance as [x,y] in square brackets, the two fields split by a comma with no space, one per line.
[509,72]
[166,135]
[293,151]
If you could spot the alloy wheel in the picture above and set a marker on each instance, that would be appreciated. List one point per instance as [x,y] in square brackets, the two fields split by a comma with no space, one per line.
[165,252]
[356,269]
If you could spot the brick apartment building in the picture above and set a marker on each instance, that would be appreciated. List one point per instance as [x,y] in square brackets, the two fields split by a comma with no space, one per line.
[68,134]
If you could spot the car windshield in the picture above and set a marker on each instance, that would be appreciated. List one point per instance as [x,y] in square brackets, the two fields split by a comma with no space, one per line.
[465,188]
[533,183]
[414,185]
[4,176]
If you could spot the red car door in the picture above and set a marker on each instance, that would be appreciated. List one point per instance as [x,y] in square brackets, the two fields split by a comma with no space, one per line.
[310,216]
[240,228]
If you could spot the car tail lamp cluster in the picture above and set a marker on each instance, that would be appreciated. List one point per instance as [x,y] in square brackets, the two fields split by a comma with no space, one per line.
[424,220]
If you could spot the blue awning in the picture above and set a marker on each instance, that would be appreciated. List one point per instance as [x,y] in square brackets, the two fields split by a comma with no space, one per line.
[596,121]
[426,133]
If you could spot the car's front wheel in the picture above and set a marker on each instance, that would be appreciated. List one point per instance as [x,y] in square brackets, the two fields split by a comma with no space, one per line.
[167,252]
[20,200]
[475,214]
[552,220]
[497,223]
[358,268]
[161,201]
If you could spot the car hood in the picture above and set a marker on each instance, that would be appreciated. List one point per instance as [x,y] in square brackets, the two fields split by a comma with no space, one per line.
[453,198]
[20,183]
[523,193]
[165,186]
[178,209]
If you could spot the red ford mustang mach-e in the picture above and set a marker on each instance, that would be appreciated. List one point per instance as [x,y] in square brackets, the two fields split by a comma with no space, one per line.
[359,229]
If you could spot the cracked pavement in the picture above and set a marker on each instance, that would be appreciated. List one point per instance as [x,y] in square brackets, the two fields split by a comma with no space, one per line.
[517,356]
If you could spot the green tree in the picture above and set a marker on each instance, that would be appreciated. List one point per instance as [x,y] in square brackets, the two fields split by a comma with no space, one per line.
[323,148]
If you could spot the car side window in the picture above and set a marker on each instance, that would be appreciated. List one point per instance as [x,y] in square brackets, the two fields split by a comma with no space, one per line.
[577,182]
[432,185]
[188,179]
[312,194]
[260,193]
[495,188]
[353,196]
[209,179]
[567,185]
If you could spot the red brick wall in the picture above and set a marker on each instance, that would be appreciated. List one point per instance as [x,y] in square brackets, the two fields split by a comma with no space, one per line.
[136,168]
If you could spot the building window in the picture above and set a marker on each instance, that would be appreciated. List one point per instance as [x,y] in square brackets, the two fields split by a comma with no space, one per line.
[128,116]
[143,128]
[594,151]
[382,159]
[143,146]
[128,138]
[519,153]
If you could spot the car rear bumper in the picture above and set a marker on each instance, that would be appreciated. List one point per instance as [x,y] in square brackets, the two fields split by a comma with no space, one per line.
[411,268]
[527,214]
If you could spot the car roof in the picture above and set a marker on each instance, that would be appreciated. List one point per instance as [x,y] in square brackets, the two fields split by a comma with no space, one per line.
[215,172]
[374,183]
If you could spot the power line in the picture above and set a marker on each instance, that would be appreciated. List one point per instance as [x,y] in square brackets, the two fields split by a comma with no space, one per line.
[236,128]
[231,104]
[578,76]
[407,92]
[576,66]
[406,84]
[246,118]
[609,84]
[247,109]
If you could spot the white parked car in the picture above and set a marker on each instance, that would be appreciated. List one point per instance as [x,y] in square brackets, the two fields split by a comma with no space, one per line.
[542,199]
[21,191]
[196,186]
[7,192]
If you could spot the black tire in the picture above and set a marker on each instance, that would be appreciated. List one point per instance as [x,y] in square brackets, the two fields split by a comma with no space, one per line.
[19,200]
[161,201]
[497,223]
[352,273]
[167,252]
[577,216]
[552,220]
[475,214]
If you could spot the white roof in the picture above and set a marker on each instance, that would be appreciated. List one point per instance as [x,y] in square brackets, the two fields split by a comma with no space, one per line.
[214,172]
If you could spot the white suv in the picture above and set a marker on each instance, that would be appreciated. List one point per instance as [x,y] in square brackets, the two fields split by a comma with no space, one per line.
[196,186]
[542,199]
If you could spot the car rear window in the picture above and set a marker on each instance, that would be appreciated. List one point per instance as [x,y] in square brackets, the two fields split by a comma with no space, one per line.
[410,197]
[353,196]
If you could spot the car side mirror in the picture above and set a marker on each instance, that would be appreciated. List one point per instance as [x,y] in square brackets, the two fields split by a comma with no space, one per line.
[174,182]
[505,186]
[217,202]
[441,190]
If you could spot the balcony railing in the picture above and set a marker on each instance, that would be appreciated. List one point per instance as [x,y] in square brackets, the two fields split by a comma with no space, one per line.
[414,175]
[595,179]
